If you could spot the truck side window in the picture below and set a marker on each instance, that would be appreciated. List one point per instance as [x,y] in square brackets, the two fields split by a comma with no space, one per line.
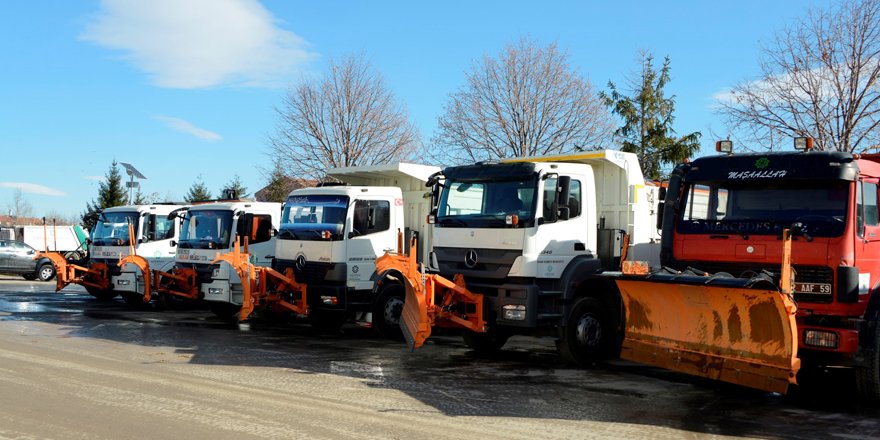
[574,199]
[162,228]
[697,203]
[371,216]
[870,201]
[549,195]
[261,230]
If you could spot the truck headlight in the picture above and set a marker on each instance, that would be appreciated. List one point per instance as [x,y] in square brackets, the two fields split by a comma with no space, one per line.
[514,312]
[123,282]
[819,338]
[215,290]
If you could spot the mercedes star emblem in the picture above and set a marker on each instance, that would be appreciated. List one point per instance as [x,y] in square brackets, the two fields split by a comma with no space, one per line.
[470,258]
[301,262]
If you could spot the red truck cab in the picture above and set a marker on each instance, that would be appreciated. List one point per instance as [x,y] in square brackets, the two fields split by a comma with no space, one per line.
[726,213]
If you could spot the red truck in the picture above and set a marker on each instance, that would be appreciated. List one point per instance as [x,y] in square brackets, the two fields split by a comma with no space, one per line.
[725,214]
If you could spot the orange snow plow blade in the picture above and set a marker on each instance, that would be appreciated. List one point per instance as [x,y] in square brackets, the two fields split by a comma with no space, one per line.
[144,266]
[458,306]
[735,334]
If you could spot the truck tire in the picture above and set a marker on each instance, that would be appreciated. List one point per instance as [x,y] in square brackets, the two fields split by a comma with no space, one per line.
[485,343]
[868,378]
[101,295]
[133,299]
[386,311]
[588,334]
[224,310]
[46,272]
[326,322]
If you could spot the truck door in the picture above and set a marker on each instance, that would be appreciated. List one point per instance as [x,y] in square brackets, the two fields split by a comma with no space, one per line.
[369,236]
[563,233]
[260,243]
[868,233]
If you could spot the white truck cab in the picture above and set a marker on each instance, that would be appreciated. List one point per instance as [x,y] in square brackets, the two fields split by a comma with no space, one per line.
[211,229]
[331,236]
[154,239]
[530,234]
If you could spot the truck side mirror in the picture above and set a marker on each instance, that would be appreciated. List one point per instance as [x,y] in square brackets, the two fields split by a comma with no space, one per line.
[662,193]
[563,192]
[660,209]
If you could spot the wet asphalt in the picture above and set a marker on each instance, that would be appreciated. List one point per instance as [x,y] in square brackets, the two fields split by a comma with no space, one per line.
[526,383]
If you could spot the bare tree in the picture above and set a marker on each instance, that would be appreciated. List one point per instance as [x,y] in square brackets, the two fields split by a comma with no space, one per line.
[347,118]
[61,219]
[527,101]
[19,207]
[819,78]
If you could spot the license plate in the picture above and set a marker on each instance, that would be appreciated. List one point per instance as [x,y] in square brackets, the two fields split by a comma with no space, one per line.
[812,288]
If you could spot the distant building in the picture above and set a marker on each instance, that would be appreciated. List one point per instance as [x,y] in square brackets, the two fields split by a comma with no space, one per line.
[11,220]
[290,185]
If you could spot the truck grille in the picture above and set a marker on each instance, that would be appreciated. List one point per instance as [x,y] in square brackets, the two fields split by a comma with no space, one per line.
[490,263]
[204,272]
[804,274]
[312,273]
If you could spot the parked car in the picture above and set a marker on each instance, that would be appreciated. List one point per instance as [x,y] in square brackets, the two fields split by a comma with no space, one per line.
[17,258]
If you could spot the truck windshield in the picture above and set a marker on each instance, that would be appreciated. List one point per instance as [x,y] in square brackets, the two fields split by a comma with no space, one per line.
[485,204]
[306,217]
[112,228]
[764,208]
[206,229]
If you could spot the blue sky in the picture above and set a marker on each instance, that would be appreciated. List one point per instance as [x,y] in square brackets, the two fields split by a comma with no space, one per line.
[182,89]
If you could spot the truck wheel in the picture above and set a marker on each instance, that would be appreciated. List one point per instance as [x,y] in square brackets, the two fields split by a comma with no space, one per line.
[588,334]
[46,272]
[133,299]
[326,322]
[386,311]
[101,295]
[224,310]
[868,378]
[485,343]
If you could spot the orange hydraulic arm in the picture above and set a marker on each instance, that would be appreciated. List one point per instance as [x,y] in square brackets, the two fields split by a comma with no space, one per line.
[97,275]
[180,282]
[457,307]
[140,262]
[264,286]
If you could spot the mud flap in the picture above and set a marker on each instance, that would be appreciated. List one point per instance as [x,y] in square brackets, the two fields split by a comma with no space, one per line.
[728,332]
[144,267]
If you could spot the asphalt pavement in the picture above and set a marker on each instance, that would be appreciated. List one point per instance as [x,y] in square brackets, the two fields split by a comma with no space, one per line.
[74,367]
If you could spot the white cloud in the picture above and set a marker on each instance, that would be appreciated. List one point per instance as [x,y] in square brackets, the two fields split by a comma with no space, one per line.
[200,43]
[33,188]
[186,127]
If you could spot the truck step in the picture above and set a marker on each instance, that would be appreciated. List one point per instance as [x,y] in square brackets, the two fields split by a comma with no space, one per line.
[549,316]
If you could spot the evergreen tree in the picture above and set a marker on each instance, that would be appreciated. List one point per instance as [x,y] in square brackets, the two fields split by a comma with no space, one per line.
[140,198]
[234,189]
[198,192]
[647,120]
[110,193]
[278,186]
